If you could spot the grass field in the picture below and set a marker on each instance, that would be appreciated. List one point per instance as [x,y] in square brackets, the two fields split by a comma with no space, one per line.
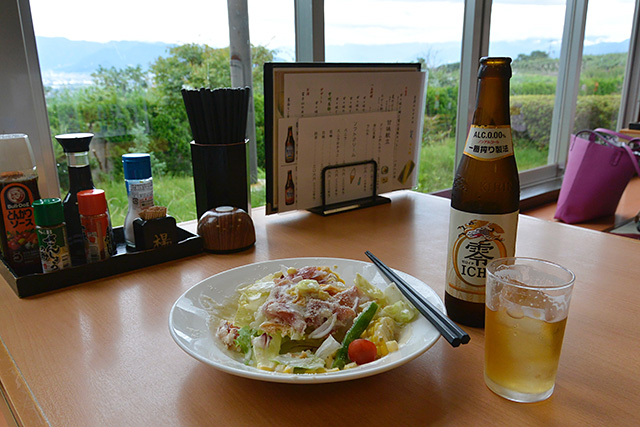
[436,163]
[174,192]
[177,194]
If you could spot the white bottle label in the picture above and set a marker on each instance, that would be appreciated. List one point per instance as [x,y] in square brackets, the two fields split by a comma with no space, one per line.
[140,195]
[474,240]
[489,142]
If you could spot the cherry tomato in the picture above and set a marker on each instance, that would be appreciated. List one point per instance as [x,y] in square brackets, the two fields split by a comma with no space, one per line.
[362,351]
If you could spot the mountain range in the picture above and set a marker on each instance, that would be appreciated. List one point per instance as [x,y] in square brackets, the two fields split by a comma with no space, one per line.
[70,62]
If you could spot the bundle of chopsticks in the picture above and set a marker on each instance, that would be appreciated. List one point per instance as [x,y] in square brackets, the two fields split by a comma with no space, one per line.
[449,330]
[217,116]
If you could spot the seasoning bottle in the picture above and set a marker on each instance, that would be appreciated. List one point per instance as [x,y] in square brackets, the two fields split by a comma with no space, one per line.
[96,225]
[76,148]
[137,178]
[18,190]
[52,234]
[485,197]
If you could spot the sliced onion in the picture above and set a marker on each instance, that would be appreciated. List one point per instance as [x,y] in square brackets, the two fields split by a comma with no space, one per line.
[262,341]
[355,304]
[324,329]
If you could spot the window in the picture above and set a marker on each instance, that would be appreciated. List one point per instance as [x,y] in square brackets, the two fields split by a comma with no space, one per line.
[113,84]
[608,25]
[531,33]
[408,31]
[481,26]
[546,178]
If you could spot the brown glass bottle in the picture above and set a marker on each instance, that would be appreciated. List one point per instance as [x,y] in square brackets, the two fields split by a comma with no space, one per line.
[289,147]
[289,190]
[485,197]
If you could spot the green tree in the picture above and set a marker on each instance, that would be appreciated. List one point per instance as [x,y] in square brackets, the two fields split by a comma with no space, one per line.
[195,66]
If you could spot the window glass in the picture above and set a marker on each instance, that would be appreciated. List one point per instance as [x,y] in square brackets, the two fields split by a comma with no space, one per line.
[424,31]
[604,60]
[119,75]
[530,32]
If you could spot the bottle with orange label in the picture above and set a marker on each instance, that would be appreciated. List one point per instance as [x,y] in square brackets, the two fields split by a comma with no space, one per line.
[99,242]
[485,197]
[18,190]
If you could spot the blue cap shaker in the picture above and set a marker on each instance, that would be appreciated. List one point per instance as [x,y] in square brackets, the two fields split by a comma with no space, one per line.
[136,166]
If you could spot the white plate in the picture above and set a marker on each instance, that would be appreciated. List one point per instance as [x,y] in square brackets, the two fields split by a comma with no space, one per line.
[188,320]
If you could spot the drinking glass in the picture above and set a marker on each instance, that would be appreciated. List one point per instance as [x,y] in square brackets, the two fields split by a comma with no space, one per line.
[527,302]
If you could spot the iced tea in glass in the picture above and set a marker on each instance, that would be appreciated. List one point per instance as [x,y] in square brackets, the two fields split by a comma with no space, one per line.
[527,302]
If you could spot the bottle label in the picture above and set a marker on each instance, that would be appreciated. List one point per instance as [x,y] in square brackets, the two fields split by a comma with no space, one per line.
[98,237]
[474,240]
[489,142]
[54,250]
[19,224]
[289,154]
[141,194]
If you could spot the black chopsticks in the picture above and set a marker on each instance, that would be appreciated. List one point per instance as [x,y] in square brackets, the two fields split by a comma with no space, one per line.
[217,116]
[449,330]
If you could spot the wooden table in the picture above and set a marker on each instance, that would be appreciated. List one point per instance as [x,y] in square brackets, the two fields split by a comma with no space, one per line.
[100,354]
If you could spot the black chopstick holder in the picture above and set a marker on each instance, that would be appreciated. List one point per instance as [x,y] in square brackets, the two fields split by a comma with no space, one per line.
[447,328]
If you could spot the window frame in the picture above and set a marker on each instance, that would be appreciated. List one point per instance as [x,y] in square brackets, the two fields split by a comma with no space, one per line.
[24,109]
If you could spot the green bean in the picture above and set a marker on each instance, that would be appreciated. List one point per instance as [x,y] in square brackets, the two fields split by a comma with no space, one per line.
[358,327]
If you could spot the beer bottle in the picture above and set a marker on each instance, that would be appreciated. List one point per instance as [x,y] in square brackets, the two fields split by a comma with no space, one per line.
[485,197]
[289,147]
[289,190]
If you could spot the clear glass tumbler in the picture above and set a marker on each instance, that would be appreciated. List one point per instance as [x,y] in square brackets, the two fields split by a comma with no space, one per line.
[527,302]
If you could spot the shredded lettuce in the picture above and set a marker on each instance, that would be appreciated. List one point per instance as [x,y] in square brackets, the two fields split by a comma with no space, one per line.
[265,356]
[368,289]
[251,298]
[327,349]
[400,311]
[398,307]
[309,362]
[310,287]
[243,341]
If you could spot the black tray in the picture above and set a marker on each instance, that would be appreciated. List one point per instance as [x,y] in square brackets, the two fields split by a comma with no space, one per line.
[33,284]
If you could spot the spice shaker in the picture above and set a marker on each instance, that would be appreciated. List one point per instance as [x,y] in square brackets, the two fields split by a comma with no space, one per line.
[96,225]
[52,234]
[18,190]
[137,177]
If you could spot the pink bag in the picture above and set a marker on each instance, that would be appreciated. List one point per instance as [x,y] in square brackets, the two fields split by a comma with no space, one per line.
[598,170]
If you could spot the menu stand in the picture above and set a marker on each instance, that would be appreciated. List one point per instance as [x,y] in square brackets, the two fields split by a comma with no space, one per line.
[359,203]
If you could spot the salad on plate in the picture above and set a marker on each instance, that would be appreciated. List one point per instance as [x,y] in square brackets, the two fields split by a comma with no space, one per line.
[308,320]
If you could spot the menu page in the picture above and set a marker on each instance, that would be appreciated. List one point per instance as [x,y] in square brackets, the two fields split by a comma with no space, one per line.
[339,118]
[337,140]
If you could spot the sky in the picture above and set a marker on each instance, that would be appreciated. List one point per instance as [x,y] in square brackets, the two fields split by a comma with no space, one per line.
[271,22]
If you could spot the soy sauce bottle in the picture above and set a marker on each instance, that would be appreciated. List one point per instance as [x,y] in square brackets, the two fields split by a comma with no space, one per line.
[485,197]
[76,148]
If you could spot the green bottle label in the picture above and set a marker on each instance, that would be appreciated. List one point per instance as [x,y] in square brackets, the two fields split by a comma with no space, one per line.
[54,250]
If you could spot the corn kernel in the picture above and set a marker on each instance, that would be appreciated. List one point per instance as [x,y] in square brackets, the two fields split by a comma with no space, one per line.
[269,367]
[392,346]
[382,349]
